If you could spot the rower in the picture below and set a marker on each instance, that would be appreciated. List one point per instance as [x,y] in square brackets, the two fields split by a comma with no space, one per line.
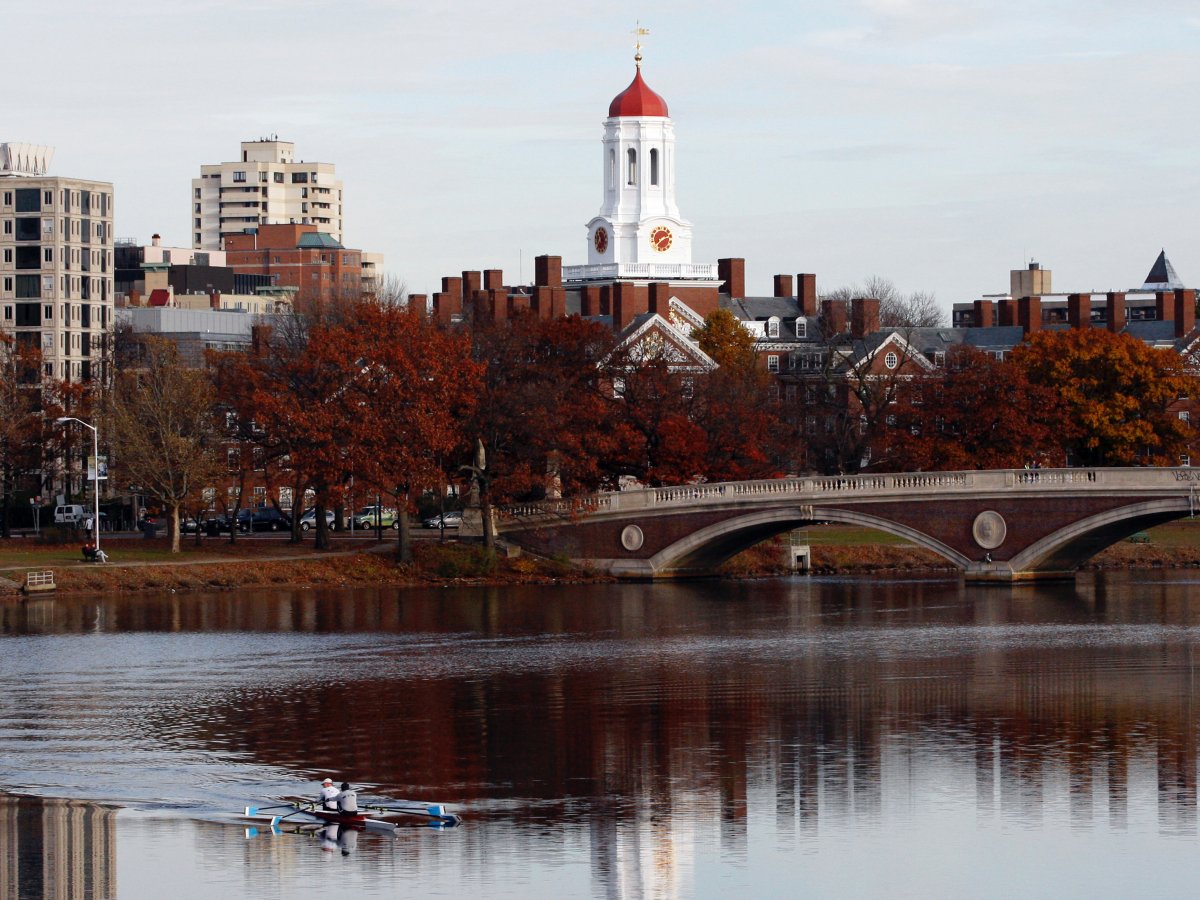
[329,795]
[347,800]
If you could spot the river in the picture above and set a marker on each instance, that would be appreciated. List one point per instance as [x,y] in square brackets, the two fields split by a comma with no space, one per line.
[774,738]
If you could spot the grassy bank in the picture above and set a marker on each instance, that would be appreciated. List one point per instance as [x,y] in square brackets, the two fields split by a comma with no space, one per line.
[148,565]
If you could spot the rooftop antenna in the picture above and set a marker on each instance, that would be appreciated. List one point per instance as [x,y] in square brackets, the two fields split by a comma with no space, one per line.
[639,32]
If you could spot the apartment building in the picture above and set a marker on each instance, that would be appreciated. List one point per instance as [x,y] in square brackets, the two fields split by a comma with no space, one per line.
[267,186]
[56,261]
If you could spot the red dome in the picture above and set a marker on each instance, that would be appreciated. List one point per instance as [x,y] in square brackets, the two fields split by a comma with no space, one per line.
[637,100]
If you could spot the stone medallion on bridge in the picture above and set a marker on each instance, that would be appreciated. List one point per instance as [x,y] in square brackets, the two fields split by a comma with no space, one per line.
[989,529]
[632,538]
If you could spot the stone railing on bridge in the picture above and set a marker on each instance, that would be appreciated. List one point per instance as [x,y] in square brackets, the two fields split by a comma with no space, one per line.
[812,490]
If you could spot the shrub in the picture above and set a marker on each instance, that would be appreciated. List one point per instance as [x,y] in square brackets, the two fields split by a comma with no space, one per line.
[455,560]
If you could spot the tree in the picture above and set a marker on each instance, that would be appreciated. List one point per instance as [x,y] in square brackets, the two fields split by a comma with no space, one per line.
[976,413]
[163,431]
[416,384]
[22,422]
[1115,391]
[896,310]
[741,424]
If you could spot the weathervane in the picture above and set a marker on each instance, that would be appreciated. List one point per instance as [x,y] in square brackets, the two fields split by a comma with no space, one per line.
[639,32]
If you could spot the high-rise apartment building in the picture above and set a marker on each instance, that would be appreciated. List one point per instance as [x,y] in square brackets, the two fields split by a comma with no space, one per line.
[56,261]
[267,186]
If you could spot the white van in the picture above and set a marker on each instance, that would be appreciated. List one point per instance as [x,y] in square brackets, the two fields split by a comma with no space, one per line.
[72,514]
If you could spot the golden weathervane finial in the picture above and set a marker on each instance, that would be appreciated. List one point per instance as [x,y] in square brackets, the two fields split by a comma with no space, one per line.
[639,32]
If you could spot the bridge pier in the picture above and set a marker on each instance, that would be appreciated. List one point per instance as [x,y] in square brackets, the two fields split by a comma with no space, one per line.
[1003,573]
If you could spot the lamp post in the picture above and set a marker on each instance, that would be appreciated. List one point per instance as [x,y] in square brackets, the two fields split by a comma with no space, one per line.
[96,482]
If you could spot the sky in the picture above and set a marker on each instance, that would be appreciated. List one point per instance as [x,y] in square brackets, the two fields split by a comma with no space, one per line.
[938,143]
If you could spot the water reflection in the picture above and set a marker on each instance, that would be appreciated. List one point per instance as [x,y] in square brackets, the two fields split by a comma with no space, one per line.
[56,850]
[652,731]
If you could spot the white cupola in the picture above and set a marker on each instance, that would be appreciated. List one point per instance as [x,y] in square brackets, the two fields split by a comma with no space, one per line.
[639,220]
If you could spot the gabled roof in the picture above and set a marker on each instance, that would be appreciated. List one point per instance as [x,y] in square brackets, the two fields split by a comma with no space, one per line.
[1162,276]
[650,333]
[867,349]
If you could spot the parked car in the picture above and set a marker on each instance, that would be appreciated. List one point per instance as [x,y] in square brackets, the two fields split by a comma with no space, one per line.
[372,516]
[308,521]
[266,519]
[189,525]
[451,519]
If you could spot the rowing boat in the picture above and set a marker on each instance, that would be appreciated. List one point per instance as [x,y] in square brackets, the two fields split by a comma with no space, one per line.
[389,818]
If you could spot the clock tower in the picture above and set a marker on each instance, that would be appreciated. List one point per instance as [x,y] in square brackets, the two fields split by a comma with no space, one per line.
[639,220]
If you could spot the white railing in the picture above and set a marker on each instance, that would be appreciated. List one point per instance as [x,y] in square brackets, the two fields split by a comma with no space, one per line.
[648,271]
[911,485]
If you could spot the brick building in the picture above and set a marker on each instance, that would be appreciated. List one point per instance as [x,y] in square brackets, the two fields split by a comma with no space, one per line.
[298,256]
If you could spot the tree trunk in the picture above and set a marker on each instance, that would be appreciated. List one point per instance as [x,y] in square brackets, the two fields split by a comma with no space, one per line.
[489,526]
[173,525]
[405,530]
[322,541]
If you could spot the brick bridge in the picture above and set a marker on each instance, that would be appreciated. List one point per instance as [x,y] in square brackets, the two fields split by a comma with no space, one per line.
[997,525]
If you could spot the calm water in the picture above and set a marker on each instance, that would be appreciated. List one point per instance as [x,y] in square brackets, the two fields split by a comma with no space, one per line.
[774,738]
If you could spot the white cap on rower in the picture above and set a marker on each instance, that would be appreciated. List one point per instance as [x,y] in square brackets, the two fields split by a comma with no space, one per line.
[327,781]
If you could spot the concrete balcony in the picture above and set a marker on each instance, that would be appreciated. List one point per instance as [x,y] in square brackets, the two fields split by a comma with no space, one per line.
[641,272]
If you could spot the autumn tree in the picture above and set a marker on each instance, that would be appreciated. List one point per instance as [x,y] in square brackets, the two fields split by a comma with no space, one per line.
[740,420]
[22,421]
[977,412]
[1115,391]
[415,384]
[163,432]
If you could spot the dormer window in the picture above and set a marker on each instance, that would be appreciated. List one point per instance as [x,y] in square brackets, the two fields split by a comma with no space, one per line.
[773,327]
[801,328]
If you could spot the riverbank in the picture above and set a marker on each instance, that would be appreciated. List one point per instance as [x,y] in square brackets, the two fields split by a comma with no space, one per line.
[141,565]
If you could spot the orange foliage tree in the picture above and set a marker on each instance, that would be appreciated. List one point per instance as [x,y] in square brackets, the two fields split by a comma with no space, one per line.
[1114,391]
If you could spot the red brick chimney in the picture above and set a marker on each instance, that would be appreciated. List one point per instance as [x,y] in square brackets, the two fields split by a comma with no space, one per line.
[983,313]
[806,285]
[497,301]
[493,279]
[517,303]
[1008,311]
[1114,306]
[419,302]
[1164,305]
[558,302]
[1079,310]
[472,282]
[864,316]
[1185,312]
[833,317]
[783,286]
[589,300]
[660,298]
[452,285]
[540,303]
[1029,314]
[628,302]
[547,271]
[214,300]
[732,272]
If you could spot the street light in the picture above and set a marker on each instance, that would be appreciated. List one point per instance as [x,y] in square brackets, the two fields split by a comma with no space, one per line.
[96,485]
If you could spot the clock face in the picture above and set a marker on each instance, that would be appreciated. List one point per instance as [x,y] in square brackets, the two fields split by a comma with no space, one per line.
[660,238]
[600,239]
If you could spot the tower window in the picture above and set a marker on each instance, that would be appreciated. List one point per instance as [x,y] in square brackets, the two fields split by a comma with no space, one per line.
[654,166]
[612,168]
[631,164]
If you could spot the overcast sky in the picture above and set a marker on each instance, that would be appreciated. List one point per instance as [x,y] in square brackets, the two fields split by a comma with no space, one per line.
[936,142]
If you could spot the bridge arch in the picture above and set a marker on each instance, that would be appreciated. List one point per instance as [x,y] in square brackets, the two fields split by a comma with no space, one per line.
[703,550]
[1068,548]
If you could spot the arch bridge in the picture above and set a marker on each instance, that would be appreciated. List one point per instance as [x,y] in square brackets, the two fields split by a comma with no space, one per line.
[995,525]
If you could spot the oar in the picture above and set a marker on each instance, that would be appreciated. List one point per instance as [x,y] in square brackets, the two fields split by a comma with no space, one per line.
[252,812]
[433,810]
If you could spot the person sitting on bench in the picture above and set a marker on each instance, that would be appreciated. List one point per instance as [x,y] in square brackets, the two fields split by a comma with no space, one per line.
[91,554]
